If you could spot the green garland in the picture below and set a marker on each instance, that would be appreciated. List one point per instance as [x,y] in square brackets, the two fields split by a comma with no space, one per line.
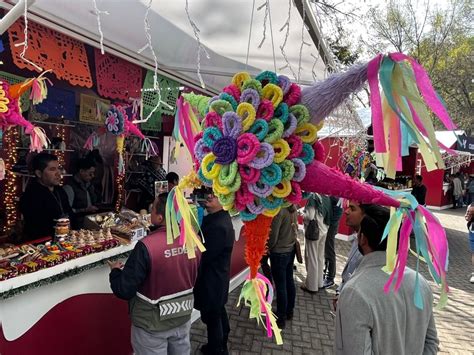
[62,276]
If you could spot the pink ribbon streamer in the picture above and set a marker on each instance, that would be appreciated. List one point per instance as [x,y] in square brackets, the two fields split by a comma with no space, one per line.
[376,104]
[185,125]
[262,299]
[427,91]
[437,242]
[89,144]
[402,256]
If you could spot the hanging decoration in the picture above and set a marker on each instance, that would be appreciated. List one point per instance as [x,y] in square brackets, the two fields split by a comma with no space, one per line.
[10,116]
[456,161]
[114,121]
[99,24]
[24,44]
[200,104]
[2,169]
[117,78]
[258,149]
[11,138]
[286,26]
[36,86]
[150,99]
[92,141]
[201,48]
[15,79]
[51,49]
[60,152]
[156,88]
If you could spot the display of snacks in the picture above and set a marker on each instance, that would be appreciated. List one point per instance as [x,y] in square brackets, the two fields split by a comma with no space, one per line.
[18,260]
[8,273]
[81,238]
[126,218]
[62,227]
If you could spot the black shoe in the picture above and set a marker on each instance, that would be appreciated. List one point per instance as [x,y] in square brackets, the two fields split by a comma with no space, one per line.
[206,351]
[289,316]
[281,323]
[328,283]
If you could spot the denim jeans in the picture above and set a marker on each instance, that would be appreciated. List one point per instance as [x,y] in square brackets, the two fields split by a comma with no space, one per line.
[282,272]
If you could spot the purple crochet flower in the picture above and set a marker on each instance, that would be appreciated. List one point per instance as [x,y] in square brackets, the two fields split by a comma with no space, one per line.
[290,126]
[225,150]
[232,124]
[285,83]
[252,207]
[264,157]
[300,170]
[260,189]
[201,149]
[251,96]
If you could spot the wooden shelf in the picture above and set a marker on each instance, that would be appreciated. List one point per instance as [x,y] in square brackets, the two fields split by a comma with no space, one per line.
[53,123]
[29,175]
[48,150]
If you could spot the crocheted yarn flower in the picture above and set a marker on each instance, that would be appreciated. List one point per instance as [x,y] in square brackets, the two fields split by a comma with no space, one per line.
[114,121]
[255,144]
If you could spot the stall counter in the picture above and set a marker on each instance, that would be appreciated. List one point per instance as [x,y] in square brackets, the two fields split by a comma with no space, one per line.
[57,311]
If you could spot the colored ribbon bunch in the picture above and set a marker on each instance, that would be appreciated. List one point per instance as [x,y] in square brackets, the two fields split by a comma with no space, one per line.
[400,116]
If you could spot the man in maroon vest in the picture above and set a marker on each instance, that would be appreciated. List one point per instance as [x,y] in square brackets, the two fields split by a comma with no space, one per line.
[212,285]
[158,281]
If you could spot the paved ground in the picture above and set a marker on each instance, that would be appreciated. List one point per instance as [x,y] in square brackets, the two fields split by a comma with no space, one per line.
[312,329]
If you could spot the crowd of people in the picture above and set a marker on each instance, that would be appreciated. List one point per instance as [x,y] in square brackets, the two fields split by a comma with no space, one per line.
[367,319]
[461,189]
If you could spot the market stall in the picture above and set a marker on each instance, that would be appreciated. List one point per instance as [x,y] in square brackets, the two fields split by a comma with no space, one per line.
[255,142]
[459,159]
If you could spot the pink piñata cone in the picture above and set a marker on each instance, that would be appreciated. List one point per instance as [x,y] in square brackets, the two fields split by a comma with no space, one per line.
[324,180]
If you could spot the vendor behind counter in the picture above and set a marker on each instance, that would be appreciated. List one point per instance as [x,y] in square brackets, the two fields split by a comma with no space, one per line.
[81,193]
[44,200]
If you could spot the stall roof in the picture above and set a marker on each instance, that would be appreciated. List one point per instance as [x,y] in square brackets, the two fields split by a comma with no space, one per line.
[448,138]
[224,30]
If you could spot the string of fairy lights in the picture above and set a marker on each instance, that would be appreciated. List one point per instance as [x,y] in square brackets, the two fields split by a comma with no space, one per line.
[61,134]
[10,139]
[120,186]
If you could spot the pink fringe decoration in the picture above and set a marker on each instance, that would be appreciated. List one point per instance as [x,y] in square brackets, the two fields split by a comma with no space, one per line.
[322,179]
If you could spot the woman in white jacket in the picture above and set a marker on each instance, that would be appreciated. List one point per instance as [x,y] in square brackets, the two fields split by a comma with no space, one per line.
[316,220]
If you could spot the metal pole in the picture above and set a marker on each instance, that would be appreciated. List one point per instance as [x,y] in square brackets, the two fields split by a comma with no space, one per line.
[14,14]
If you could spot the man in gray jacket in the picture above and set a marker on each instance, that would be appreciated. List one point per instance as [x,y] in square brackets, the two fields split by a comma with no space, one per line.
[368,321]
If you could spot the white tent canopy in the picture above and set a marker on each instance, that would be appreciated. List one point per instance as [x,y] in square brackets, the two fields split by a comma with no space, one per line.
[224,30]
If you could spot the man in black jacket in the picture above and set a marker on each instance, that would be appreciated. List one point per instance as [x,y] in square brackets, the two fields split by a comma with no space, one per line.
[81,193]
[43,201]
[419,190]
[212,284]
